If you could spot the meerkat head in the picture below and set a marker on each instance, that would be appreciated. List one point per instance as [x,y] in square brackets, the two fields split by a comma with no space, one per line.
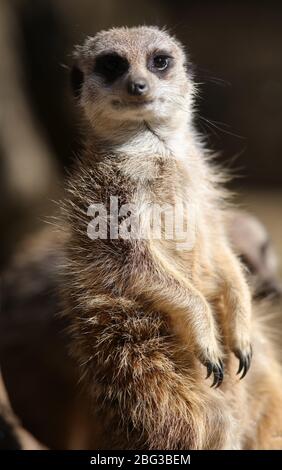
[130,75]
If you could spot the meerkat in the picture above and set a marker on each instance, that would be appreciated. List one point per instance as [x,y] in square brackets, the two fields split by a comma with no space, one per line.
[144,311]
[138,100]
[252,243]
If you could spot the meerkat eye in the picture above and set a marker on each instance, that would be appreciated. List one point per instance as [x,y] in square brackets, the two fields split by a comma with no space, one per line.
[111,66]
[161,62]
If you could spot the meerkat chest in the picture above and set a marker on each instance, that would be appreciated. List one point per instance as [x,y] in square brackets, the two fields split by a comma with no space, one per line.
[178,220]
[167,210]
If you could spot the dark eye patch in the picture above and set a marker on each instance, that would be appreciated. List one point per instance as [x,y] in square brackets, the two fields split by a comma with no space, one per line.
[111,66]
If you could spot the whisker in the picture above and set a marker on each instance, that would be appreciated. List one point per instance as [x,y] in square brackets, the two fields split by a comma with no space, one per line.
[216,126]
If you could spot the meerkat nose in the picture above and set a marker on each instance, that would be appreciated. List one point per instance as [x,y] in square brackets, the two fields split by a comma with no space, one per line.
[137,87]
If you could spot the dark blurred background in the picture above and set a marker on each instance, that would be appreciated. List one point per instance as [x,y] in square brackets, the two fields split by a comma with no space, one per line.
[236,47]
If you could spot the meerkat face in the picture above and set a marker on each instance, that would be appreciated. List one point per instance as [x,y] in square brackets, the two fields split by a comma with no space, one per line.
[132,74]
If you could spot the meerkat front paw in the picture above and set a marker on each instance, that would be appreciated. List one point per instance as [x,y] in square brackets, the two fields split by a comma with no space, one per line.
[217,369]
[214,366]
[241,347]
[209,351]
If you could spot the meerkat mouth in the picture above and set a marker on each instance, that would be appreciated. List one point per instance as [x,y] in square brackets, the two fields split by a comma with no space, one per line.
[131,104]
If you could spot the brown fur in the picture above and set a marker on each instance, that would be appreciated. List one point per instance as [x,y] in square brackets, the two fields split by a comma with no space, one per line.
[142,311]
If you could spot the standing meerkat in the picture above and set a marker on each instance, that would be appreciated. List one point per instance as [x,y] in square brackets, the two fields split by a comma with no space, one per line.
[143,309]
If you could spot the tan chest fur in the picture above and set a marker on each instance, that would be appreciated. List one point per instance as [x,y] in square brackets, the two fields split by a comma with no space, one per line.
[189,247]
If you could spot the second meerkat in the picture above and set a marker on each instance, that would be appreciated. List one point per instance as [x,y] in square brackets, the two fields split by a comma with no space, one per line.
[137,94]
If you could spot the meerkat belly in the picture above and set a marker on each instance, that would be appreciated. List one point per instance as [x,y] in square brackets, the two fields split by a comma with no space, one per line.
[191,250]
[174,235]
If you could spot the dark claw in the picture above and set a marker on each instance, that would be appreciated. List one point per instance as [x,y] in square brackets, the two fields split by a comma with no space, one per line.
[218,375]
[217,370]
[244,362]
[221,374]
[209,369]
[239,355]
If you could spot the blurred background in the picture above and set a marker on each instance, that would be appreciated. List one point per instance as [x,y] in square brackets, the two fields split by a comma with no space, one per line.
[236,49]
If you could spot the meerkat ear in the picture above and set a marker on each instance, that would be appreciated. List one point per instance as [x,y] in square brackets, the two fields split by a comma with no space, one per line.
[76,79]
